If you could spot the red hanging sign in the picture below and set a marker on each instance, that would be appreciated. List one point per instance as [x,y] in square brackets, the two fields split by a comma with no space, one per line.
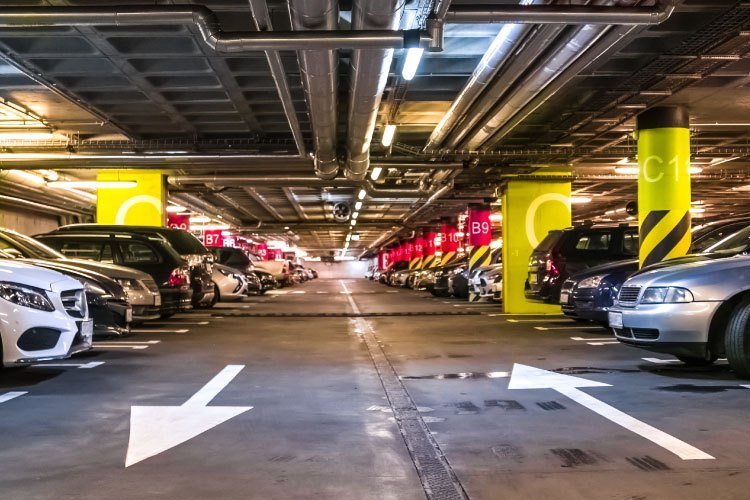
[417,250]
[408,248]
[213,238]
[448,241]
[262,251]
[479,227]
[176,221]
[429,243]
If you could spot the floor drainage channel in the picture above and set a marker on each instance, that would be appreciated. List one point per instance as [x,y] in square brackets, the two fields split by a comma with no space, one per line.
[437,477]
[342,314]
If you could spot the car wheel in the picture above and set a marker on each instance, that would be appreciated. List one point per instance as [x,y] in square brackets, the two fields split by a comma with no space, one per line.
[737,339]
[694,361]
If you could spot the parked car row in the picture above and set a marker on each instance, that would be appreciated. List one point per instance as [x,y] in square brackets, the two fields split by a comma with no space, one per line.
[61,289]
[696,307]
[451,279]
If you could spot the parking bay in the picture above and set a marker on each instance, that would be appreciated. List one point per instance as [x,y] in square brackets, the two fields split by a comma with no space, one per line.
[321,424]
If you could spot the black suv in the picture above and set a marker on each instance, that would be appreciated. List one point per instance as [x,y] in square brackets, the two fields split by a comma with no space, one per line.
[151,254]
[570,251]
[199,260]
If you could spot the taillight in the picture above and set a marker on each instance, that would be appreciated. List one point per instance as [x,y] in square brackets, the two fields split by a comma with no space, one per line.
[551,268]
[179,277]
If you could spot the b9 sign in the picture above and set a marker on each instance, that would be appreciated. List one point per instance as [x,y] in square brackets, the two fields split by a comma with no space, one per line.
[480,228]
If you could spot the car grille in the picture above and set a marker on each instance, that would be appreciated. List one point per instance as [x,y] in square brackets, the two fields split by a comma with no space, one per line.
[638,333]
[629,294]
[568,285]
[74,303]
[150,285]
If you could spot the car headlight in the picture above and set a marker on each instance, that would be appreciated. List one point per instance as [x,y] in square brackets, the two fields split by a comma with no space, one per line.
[664,294]
[591,281]
[26,296]
[127,284]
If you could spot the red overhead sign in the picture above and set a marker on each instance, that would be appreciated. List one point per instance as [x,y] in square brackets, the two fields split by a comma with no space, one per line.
[417,248]
[448,241]
[429,243]
[176,221]
[213,238]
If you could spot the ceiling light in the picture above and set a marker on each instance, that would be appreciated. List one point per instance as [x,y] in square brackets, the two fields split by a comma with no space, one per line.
[93,184]
[626,170]
[355,215]
[625,161]
[697,210]
[200,219]
[20,135]
[695,170]
[362,194]
[286,228]
[377,171]
[358,205]
[496,217]
[173,209]
[348,236]
[411,62]
[355,236]
[579,199]
[50,175]
[353,222]
[210,227]
[388,132]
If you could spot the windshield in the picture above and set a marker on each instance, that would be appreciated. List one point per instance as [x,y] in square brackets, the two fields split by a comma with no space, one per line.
[735,243]
[28,247]
[185,243]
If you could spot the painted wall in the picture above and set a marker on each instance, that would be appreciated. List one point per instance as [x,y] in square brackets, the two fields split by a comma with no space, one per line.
[340,270]
[27,222]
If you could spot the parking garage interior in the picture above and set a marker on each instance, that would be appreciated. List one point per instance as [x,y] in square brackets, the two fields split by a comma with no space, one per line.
[374,249]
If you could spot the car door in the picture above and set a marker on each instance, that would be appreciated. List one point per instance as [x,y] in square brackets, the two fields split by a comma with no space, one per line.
[142,256]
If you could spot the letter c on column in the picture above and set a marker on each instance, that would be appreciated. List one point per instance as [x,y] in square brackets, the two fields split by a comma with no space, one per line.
[534,207]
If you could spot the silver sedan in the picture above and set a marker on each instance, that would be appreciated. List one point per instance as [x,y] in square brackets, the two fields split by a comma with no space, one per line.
[696,311]
[229,284]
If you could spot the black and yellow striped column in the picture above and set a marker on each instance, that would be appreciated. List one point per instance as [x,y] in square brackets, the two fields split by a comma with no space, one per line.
[663,135]
[480,237]
[417,253]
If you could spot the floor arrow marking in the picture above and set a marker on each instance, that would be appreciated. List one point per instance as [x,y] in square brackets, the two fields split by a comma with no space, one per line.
[528,377]
[155,429]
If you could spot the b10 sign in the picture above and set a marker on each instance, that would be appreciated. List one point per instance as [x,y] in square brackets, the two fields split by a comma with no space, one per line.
[479,227]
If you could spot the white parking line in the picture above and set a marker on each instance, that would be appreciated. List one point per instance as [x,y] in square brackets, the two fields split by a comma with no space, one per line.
[532,320]
[661,361]
[92,364]
[321,292]
[299,292]
[183,330]
[581,339]
[602,343]
[11,395]
[131,342]
[184,323]
[545,328]
[110,346]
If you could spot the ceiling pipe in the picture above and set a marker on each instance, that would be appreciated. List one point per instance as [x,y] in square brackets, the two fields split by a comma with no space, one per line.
[295,204]
[558,14]
[199,205]
[262,20]
[320,78]
[369,73]
[263,203]
[209,28]
[28,180]
[432,199]
[42,208]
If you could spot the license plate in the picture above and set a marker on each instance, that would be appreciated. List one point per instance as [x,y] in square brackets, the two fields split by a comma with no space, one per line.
[615,319]
[157,300]
[532,279]
[128,315]
[87,329]
[564,297]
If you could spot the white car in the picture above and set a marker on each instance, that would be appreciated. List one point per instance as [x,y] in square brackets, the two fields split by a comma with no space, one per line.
[229,284]
[43,315]
[482,281]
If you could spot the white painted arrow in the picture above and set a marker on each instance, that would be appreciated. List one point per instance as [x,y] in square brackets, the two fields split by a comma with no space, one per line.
[528,377]
[155,429]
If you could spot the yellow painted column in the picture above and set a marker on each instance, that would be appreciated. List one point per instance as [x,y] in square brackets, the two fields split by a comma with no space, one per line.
[663,135]
[531,208]
[142,204]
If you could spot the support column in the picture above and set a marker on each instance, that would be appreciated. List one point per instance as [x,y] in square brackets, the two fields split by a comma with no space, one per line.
[417,252]
[140,205]
[448,242]
[663,135]
[429,260]
[407,248]
[531,208]
[480,237]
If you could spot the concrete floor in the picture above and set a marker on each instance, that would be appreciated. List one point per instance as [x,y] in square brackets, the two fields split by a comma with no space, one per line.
[322,425]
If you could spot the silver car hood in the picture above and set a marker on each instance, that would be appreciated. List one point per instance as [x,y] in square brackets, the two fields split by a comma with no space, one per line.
[708,280]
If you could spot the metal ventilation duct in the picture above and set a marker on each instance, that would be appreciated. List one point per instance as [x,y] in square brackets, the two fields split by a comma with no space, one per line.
[369,72]
[320,78]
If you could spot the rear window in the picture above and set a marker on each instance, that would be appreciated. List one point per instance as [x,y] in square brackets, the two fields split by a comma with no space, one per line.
[99,251]
[630,242]
[185,243]
[549,241]
[134,253]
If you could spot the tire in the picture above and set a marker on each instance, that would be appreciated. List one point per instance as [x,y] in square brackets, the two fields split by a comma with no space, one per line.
[737,339]
[693,361]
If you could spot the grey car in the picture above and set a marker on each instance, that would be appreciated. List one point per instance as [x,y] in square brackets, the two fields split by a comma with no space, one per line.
[697,311]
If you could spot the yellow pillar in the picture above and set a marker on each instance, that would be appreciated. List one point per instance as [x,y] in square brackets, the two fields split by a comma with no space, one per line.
[143,204]
[531,208]
[663,135]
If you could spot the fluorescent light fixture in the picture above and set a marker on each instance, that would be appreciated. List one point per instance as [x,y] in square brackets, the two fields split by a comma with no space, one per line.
[459,234]
[199,219]
[355,215]
[210,227]
[375,174]
[20,135]
[496,217]
[348,236]
[355,236]
[695,170]
[697,210]
[358,205]
[353,222]
[50,175]
[627,170]
[226,233]
[411,62]
[173,209]
[577,200]
[388,132]
[93,184]
[362,194]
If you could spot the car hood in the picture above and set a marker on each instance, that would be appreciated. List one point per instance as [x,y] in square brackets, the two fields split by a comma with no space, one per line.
[27,274]
[693,273]
[629,265]
[687,259]
[109,285]
[110,270]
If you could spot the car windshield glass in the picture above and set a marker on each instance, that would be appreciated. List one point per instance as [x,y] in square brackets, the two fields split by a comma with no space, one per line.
[736,243]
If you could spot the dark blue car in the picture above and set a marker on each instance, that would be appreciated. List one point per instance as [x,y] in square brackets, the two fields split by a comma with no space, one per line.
[589,295]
